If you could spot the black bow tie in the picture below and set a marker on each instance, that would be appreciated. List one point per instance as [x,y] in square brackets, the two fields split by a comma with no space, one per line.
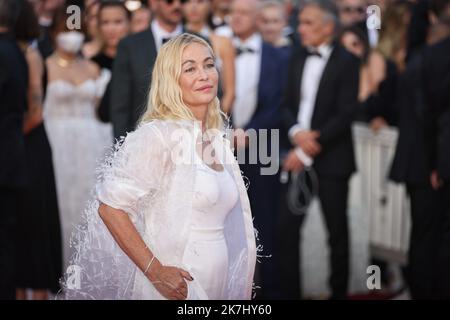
[164,40]
[241,50]
[314,53]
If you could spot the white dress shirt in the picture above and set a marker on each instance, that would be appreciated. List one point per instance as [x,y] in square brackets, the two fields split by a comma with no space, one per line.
[159,33]
[312,74]
[248,65]
[224,31]
[373,37]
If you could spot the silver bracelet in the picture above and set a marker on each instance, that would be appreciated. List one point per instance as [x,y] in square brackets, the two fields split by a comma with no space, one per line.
[149,264]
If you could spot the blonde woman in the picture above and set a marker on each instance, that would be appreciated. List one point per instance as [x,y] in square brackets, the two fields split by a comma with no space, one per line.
[385,63]
[391,47]
[171,218]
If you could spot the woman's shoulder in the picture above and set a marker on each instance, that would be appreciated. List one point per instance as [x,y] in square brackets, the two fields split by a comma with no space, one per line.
[165,130]
[147,131]
[171,132]
[221,39]
[222,44]
[34,59]
[33,54]
[90,67]
[165,126]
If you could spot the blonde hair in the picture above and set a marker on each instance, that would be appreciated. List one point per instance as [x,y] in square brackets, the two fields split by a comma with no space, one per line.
[394,30]
[165,97]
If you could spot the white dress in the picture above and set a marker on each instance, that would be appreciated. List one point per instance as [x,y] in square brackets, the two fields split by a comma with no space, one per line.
[78,141]
[190,216]
[206,253]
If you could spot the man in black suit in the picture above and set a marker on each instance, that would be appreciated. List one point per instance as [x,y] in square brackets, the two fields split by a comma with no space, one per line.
[132,69]
[319,104]
[436,79]
[261,72]
[13,93]
[410,166]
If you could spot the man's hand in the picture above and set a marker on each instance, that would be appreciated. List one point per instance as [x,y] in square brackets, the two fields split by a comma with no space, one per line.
[377,124]
[435,181]
[293,163]
[307,140]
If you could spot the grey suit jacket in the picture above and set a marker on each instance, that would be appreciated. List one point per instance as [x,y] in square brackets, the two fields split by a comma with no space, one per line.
[131,79]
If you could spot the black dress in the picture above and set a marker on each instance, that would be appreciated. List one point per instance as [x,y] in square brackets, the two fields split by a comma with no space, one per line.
[39,252]
[103,110]
[13,88]
[103,61]
[382,103]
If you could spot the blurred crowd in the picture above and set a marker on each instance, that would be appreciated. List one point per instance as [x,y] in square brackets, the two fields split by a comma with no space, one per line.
[307,68]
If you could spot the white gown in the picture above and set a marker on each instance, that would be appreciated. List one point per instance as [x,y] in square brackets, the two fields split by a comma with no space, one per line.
[78,141]
[190,216]
[206,254]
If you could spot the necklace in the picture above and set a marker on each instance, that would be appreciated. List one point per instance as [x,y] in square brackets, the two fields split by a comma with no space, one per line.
[64,63]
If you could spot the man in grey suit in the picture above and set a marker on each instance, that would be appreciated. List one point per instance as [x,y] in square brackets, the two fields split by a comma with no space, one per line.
[134,62]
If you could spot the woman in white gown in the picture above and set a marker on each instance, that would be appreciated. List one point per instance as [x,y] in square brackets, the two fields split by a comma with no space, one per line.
[171,217]
[78,140]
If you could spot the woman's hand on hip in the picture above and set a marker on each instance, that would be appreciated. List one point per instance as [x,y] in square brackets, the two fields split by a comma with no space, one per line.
[170,281]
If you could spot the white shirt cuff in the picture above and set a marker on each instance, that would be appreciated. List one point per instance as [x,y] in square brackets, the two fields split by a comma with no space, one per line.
[304,158]
[293,131]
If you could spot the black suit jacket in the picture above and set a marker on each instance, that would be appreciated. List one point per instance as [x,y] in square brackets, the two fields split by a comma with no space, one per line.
[13,104]
[130,81]
[335,106]
[410,163]
[272,80]
[437,96]
[45,43]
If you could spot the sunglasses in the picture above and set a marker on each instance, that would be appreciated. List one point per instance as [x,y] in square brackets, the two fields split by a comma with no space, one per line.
[170,2]
[348,9]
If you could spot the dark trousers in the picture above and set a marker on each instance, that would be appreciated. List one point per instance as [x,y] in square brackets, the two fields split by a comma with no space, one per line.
[333,194]
[263,195]
[444,249]
[425,238]
[9,201]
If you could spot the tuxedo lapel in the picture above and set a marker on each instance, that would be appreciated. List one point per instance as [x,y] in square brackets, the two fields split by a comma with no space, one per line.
[324,88]
[149,48]
[263,70]
[297,77]
[144,56]
[267,75]
[330,68]
[266,71]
